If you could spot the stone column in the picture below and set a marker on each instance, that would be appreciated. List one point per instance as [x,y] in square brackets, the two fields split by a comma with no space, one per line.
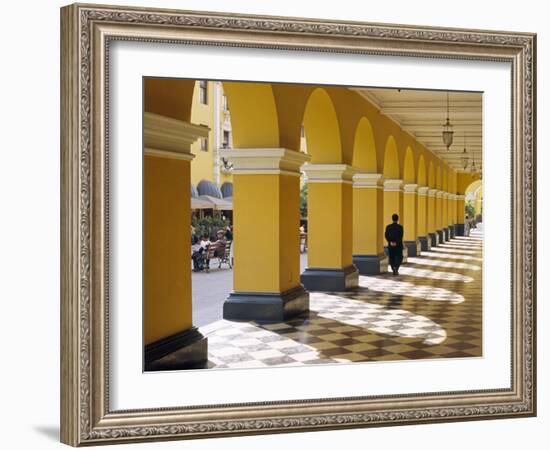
[439,215]
[422,219]
[330,228]
[432,218]
[393,204]
[450,221]
[171,340]
[460,229]
[368,244]
[266,204]
[411,240]
[444,212]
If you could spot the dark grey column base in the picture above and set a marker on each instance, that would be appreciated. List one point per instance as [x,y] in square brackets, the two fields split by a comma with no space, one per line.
[425,243]
[434,238]
[451,229]
[266,307]
[371,264]
[185,350]
[330,280]
[413,248]
[441,236]
[460,229]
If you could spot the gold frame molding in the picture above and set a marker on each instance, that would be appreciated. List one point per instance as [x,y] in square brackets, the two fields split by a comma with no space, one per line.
[86,32]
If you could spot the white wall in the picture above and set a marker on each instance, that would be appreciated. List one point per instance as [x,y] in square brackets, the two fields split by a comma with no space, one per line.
[29,225]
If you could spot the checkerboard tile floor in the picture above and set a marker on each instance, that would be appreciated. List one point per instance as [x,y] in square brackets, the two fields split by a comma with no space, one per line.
[433,309]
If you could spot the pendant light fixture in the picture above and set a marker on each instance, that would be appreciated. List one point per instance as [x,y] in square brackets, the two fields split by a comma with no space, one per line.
[464,159]
[447,133]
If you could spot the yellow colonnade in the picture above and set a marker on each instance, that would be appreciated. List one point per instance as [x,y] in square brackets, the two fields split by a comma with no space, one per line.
[171,340]
[409,221]
[330,228]
[368,214]
[266,272]
[422,218]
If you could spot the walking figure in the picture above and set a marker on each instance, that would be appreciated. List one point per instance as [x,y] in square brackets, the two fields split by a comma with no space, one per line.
[394,236]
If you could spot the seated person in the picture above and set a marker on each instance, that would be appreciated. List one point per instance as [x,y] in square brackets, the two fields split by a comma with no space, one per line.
[219,244]
[197,256]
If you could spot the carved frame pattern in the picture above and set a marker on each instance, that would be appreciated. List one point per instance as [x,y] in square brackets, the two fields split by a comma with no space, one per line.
[86,33]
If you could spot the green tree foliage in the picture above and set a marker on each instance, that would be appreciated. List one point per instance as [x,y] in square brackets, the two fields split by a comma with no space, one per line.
[303,201]
[208,225]
[470,209]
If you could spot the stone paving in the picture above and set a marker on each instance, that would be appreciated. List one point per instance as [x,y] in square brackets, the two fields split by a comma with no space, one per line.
[433,309]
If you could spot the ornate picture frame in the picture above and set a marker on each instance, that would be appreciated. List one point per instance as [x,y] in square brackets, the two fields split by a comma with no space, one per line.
[86,34]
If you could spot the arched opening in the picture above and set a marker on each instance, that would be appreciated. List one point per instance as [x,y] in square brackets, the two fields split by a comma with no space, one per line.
[321,128]
[421,177]
[409,173]
[391,160]
[473,203]
[364,150]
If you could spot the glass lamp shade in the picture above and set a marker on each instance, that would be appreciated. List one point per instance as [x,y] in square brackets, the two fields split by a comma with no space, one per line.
[464,159]
[447,134]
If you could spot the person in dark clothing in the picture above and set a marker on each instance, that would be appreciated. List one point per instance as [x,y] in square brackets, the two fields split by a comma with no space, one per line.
[394,236]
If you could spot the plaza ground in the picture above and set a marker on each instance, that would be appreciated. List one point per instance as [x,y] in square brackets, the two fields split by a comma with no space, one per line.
[433,309]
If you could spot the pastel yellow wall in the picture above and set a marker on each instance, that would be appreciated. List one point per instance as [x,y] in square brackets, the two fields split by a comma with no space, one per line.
[202,166]
[166,258]
[393,203]
[421,212]
[329,215]
[368,213]
[409,216]
[266,233]
[431,215]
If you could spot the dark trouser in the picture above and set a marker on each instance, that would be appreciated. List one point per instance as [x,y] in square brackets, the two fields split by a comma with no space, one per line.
[197,260]
[396,257]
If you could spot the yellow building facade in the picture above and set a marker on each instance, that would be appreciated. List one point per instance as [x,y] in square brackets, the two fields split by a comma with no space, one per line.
[360,168]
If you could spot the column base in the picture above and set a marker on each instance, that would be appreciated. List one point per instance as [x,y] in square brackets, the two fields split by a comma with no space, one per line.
[434,238]
[451,229]
[265,307]
[441,236]
[459,229]
[413,247]
[371,264]
[425,243]
[185,350]
[330,280]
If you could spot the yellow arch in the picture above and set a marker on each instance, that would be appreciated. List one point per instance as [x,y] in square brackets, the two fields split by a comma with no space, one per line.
[421,177]
[254,120]
[322,130]
[364,150]
[438,178]
[391,159]
[445,184]
[431,175]
[409,175]
[169,97]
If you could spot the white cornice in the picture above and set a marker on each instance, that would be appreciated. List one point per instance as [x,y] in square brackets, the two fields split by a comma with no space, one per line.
[432,192]
[166,135]
[393,185]
[410,188]
[166,154]
[423,190]
[368,180]
[265,160]
[329,173]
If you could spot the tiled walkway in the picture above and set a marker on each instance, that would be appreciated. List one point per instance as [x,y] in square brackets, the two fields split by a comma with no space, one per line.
[433,309]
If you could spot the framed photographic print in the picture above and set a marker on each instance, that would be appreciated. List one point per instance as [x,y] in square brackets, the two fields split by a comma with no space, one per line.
[277,224]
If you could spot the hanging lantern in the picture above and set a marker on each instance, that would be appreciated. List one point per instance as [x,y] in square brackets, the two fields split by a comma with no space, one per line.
[464,158]
[447,133]
[473,168]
